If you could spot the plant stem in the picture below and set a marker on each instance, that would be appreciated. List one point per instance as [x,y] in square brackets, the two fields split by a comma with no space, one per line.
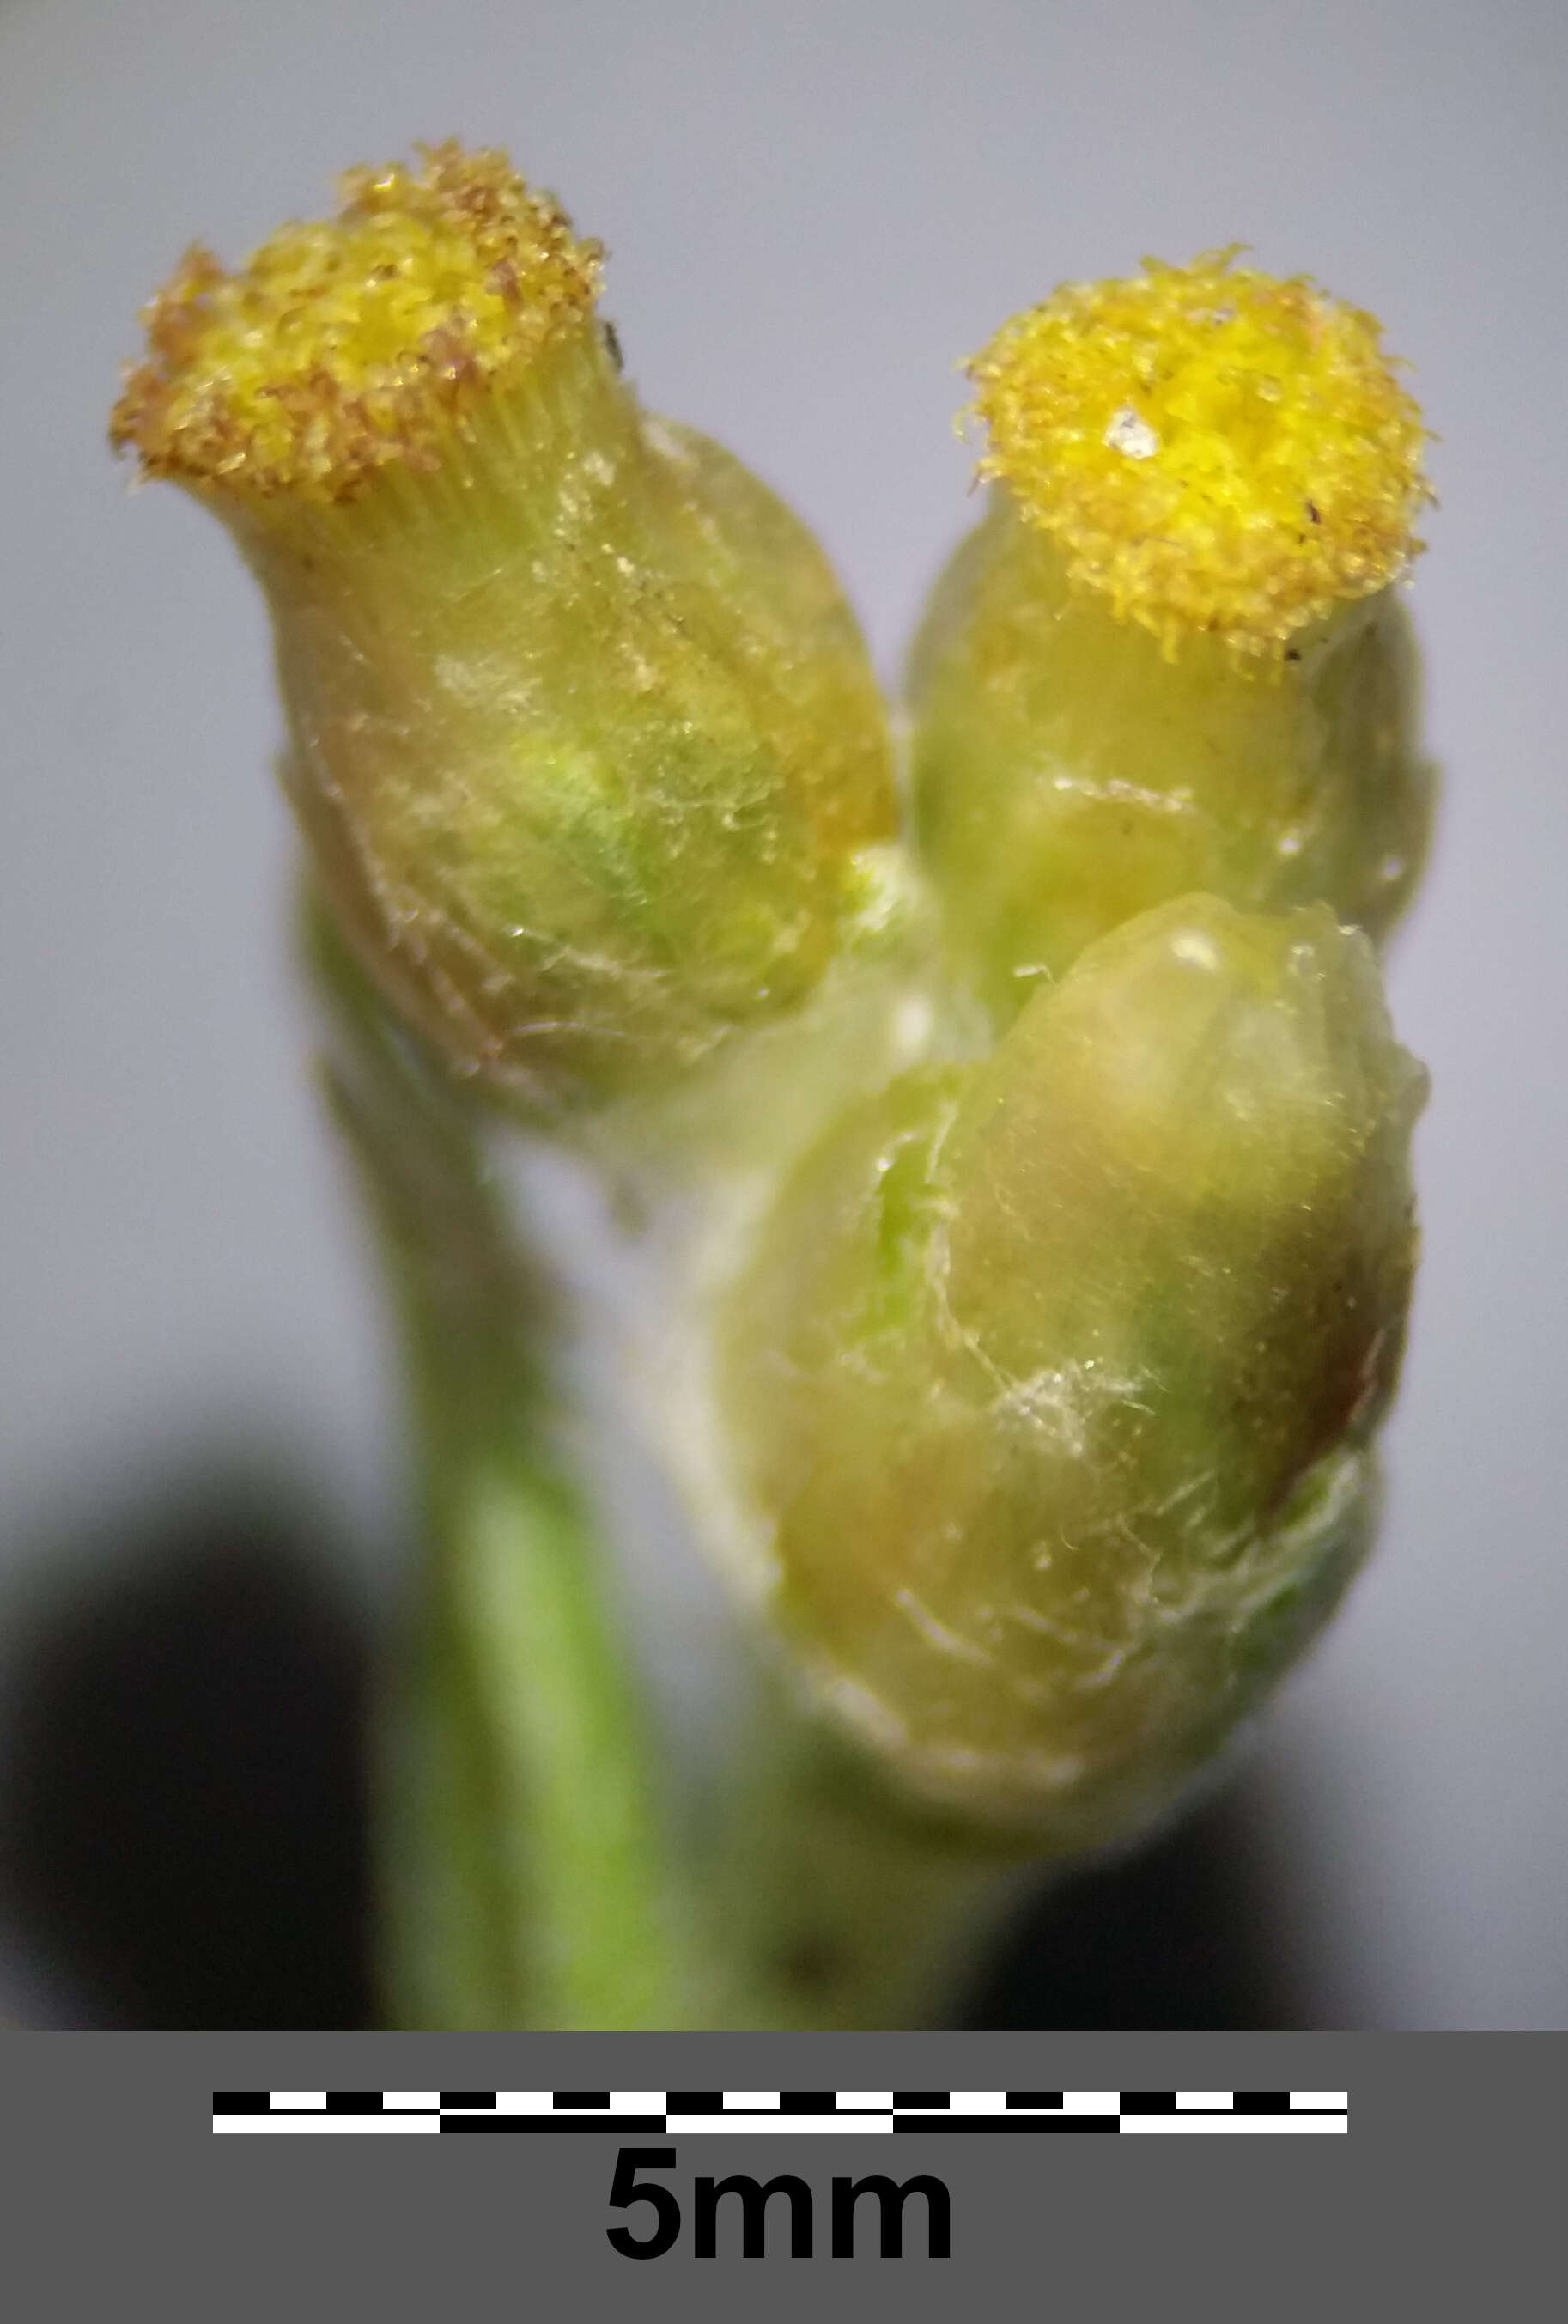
[524,1877]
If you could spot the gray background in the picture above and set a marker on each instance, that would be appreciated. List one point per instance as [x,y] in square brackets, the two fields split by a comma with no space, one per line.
[1444,2187]
[812,212]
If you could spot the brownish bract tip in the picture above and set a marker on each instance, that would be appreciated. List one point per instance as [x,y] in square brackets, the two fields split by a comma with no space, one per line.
[345,345]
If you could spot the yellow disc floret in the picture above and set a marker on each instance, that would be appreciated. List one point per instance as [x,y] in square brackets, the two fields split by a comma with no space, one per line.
[345,344]
[1216,450]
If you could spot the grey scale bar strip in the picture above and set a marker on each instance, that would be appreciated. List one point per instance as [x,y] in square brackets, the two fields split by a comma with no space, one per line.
[663,2113]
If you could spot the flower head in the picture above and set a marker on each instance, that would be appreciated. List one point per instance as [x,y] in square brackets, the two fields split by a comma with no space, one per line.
[582,734]
[1215,449]
[345,345]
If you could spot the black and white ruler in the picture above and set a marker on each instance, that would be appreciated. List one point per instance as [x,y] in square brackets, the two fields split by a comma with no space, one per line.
[703,2113]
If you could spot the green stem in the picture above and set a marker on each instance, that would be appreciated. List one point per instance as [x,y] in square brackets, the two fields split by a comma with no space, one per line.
[573,1821]
[832,1904]
[523,1874]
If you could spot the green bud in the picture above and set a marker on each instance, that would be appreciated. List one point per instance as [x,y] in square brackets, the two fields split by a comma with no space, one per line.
[1054,1376]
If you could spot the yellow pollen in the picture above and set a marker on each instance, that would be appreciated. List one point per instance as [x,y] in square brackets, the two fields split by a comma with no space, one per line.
[1214,449]
[346,344]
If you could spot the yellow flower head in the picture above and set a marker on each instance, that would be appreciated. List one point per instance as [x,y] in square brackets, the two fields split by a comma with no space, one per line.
[1215,449]
[346,344]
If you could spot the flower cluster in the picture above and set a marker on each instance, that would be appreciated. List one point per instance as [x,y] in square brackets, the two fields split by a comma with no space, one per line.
[1046,1373]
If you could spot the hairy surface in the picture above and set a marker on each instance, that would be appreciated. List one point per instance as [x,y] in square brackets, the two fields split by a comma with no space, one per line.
[1055,1375]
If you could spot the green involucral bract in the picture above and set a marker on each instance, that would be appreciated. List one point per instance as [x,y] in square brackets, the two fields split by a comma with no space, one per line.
[582,732]
[1068,772]
[1056,1376]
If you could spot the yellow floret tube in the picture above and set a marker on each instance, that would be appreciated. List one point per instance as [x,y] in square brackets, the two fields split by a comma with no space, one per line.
[1173,656]
[580,728]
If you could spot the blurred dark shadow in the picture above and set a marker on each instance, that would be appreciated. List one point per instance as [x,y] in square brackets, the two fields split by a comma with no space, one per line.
[183,1769]
[1184,1935]
[183,1792]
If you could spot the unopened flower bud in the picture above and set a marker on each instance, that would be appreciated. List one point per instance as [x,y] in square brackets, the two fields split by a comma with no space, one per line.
[580,728]
[1056,1376]
[1171,657]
